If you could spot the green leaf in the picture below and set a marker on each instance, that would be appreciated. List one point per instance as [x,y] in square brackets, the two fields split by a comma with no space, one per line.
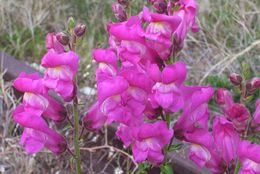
[246,72]
[238,165]
[166,169]
[71,24]
[119,63]
[142,168]
[174,147]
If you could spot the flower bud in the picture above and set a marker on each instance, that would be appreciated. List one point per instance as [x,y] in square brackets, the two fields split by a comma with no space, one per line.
[253,84]
[63,38]
[119,12]
[80,30]
[123,2]
[159,5]
[235,79]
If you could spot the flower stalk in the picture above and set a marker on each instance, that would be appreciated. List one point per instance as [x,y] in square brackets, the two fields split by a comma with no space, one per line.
[76,136]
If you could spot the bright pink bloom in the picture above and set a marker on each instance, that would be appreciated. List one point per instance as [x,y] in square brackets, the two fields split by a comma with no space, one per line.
[239,115]
[37,135]
[249,157]
[203,152]
[121,102]
[195,114]
[187,12]
[107,63]
[235,112]
[256,116]
[60,73]
[226,138]
[166,92]
[126,38]
[36,97]
[159,31]
[124,133]
[52,43]
[149,141]
[94,119]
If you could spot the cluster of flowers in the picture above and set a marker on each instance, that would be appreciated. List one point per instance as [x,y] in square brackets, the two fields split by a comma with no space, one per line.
[138,87]
[220,149]
[136,84]
[38,106]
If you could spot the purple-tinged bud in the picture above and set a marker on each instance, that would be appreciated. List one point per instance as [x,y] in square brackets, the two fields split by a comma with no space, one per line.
[119,12]
[63,38]
[235,79]
[123,2]
[159,5]
[80,30]
[253,84]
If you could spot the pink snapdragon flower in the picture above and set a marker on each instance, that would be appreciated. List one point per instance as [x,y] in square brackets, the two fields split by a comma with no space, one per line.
[256,116]
[94,118]
[60,73]
[52,43]
[235,112]
[107,63]
[37,135]
[36,97]
[149,141]
[166,92]
[195,114]
[186,10]
[226,138]
[159,31]
[203,152]
[126,38]
[249,157]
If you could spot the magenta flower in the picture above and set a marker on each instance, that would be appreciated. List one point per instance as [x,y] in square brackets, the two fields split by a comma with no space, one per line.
[124,133]
[203,152]
[159,31]
[195,114]
[36,97]
[149,141]
[187,12]
[249,157]
[52,43]
[94,118]
[235,112]
[226,138]
[166,92]
[37,135]
[107,63]
[256,116]
[126,38]
[60,73]
[121,102]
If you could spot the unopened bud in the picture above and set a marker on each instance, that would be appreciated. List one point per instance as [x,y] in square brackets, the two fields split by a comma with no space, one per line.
[235,79]
[159,5]
[80,30]
[123,2]
[63,38]
[119,12]
[253,84]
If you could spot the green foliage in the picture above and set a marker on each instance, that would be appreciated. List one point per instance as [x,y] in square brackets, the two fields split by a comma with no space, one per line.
[246,71]
[175,147]
[166,169]
[142,168]
[238,165]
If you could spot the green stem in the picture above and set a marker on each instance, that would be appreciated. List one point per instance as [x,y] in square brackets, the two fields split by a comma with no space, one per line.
[76,135]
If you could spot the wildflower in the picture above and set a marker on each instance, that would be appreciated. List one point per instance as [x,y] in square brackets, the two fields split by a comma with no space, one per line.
[60,73]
